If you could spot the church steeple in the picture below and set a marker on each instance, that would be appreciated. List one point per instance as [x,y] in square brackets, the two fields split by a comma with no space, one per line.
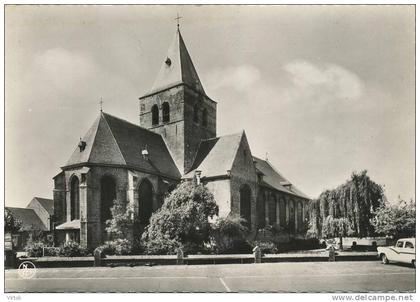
[177,68]
[177,107]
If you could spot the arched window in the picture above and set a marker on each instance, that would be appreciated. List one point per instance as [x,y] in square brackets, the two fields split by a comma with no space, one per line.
[272,210]
[165,112]
[299,216]
[108,195]
[74,199]
[282,212]
[205,118]
[155,115]
[245,204]
[145,195]
[292,216]
[195,114]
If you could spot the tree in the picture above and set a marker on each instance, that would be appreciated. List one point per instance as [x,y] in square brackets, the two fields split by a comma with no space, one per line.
[397,220]
[356,200]
[182,221]
[120,226]
[336,227]
[11,224]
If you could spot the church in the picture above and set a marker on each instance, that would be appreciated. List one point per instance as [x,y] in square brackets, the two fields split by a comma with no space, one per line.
[175,140]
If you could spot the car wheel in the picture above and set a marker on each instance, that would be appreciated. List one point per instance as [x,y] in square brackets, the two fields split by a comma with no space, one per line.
[384,259]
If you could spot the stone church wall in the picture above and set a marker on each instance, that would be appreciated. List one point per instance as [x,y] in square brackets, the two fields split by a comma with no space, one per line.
[221,192]
[173,131]
[195,131]
[243,173]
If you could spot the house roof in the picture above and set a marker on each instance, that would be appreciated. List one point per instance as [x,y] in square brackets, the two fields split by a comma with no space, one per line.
[215,156]
[114,141]
[28,217]
[69,225]
[177,68]
[47,204]
[273,179]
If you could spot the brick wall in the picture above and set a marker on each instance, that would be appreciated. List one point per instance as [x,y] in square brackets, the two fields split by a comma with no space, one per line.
[181,133]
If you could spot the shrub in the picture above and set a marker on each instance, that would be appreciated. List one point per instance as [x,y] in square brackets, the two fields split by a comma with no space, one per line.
[228,235]
[34,249]
[108,248]
[162,245]
[117,247]
[182,221]
[267,247]
[51,251]
[72,249]
[120,226]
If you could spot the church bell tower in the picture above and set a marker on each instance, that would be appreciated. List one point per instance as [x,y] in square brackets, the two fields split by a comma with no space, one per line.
[177,106]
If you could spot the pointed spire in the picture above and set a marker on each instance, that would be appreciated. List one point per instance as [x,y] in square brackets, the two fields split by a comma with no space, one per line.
[177,67]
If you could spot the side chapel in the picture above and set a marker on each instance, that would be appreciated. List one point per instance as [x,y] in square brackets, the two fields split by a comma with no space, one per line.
[175,140]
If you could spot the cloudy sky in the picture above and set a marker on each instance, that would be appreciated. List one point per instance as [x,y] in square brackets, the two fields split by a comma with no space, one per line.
[324,90]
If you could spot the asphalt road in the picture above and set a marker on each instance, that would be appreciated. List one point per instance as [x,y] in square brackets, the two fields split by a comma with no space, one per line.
[363,276]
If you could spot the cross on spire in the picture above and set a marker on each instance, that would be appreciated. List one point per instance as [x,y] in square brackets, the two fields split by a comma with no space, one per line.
[101,104]
[177,19]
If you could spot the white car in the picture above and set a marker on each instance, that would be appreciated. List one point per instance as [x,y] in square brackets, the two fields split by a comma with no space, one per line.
[404,251]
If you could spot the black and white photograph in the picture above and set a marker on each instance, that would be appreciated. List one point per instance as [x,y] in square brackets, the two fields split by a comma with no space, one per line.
[210,149]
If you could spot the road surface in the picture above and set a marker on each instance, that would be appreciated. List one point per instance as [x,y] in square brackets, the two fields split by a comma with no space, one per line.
[366,276]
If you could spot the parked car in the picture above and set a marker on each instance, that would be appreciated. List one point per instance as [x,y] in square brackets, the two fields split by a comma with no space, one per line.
[404,251]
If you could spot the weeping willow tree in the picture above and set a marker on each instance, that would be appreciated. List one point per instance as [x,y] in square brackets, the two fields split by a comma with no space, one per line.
[356,200]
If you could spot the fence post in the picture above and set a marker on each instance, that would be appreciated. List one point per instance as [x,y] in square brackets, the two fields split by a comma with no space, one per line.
[331,253]
[257,254]
[97,255]
[179,256]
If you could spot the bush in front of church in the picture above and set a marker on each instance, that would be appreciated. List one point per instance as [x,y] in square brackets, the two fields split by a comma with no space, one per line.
[228,236]
[72,249]
[34,249]
[117,247]
[182,221]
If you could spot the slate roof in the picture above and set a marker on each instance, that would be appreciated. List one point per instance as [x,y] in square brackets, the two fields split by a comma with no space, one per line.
[215,156]
[69,225]
[178,69]
[47,204]
[111,140]
[28,217]
[273,179]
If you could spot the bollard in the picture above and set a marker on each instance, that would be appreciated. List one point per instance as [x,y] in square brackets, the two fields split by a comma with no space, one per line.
[179,256]
[257,254]
[97,255]
[331,253]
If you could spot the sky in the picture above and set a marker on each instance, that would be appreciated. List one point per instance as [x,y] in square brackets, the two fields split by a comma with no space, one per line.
[322,91]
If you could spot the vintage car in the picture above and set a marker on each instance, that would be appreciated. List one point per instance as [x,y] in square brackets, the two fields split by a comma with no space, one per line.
[404,251]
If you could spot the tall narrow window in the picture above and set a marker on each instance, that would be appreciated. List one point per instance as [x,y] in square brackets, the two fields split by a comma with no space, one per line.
[245,204]
[155,115]
[145,201]
[272,210]
[165,112]
[74,199]
[299,216]
[195,114]
[108,195]
[283,212]
[205,117]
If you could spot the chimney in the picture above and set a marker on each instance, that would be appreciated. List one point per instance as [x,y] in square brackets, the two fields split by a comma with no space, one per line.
[197,177]
[145,154]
